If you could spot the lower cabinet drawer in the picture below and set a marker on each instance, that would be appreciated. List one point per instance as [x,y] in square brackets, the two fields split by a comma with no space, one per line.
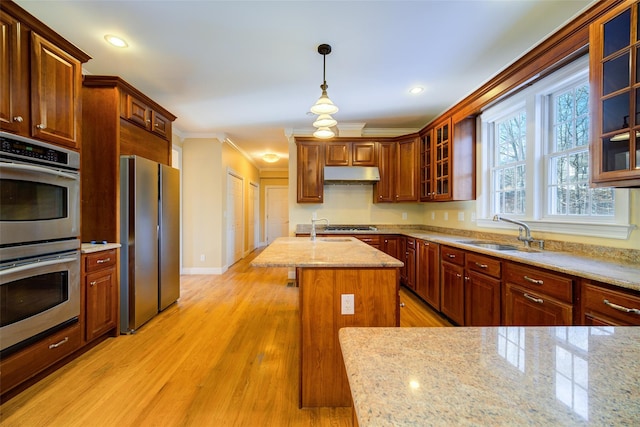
[609,306]
[540,281]
[25,364]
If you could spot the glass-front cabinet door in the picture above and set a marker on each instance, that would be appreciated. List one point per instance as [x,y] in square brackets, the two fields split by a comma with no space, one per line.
[615,102]
[442,148]
[426,172]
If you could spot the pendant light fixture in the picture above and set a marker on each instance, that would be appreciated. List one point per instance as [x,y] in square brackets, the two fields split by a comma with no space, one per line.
[324,107]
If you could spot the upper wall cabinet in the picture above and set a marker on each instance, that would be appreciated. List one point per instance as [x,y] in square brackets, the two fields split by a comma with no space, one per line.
[310,182]
[40,80]
[350,153]
[447,161]
[614,49]
[398,164]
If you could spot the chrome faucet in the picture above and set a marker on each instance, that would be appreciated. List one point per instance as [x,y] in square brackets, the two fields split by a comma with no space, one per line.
[526,239]
[313,226]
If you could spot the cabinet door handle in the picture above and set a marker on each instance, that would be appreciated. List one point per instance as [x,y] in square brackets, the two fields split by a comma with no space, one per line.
[102,261]
[534,281]
[18,119]
[93,283]
[534,299]
[481,265]
[41,126]
[458,275]
[58,344]
[401,304]
[621,308]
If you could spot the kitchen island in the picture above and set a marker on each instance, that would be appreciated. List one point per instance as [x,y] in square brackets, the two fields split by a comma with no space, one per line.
[343,282]
[493,376]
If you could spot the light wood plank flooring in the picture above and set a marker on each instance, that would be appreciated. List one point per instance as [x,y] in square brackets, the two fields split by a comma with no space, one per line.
[226,354]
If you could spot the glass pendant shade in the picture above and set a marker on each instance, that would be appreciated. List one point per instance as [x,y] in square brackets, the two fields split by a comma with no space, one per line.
[324,105]
[324,121]
[324,133]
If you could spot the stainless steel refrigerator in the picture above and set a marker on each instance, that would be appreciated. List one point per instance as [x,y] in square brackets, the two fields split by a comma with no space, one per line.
[149,234]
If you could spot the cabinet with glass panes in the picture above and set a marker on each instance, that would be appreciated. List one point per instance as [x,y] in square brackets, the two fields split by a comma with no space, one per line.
[614,49]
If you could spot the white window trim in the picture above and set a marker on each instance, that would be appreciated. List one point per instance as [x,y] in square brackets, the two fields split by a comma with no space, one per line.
[617,227]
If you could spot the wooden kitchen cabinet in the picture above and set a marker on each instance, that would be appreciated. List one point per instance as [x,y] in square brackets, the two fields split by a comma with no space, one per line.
[398,165]
[384,190]
[107,135]
[41,80]
[20,367]
[603,305]
[391,246]
[350,153]
[408,272]
[101,306]
[536,297]
[614,69]
[452,283]
[426,192]
[136,110]
[482,290]
[310,175]
[447,161]
[428,272]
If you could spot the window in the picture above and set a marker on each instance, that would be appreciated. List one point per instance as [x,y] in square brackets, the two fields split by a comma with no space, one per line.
[535,161]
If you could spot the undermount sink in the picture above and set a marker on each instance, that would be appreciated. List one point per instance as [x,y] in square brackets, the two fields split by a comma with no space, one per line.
[497,246]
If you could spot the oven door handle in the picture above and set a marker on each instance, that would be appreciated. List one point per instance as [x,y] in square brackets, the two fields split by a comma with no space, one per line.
[40,169]
[33,265]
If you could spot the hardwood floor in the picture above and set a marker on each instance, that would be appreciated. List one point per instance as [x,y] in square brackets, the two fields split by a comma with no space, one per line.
[226,354]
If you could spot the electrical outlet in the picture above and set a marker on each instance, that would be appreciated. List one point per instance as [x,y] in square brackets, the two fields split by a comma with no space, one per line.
[314,215]
[461,216]
[202,257]
[473,216]
[446,216]
[348,304]
[404,215]
[433,215]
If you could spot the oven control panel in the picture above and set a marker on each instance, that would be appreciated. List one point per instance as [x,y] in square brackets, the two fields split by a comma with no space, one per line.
[30,150]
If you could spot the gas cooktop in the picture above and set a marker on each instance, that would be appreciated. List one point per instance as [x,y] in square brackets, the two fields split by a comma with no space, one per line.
[350,228]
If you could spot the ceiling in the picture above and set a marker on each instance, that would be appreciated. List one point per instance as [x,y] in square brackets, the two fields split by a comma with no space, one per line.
[249,70]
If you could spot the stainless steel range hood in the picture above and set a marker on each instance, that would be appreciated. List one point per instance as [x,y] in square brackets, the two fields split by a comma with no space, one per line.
[351,174]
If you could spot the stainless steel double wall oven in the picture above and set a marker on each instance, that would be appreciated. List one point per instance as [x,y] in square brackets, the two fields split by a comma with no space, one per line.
[39,240]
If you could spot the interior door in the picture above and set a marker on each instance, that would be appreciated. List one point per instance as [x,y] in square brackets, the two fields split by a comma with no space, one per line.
[252,220]
[235,222]
[277,212]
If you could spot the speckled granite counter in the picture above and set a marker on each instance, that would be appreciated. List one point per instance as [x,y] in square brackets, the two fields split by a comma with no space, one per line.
[87,248]
[623,274]
[493,376]
[323,252]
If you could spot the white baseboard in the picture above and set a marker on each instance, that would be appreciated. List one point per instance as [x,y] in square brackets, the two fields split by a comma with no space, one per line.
[203,270]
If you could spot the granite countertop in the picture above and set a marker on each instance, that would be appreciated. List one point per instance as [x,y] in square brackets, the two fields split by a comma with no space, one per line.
[323,252]
[493,376]
[623,274]
[87,248]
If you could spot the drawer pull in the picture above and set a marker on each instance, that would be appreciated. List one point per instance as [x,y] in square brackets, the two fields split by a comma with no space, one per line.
[534,281]
[451,255]
[102,261]
[58,344]
[621,308]
[401,304]
[534,299]
[481,265]
[93,283]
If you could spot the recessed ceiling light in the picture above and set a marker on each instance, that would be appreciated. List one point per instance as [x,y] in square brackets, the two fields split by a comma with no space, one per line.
[416,90]
[115,41]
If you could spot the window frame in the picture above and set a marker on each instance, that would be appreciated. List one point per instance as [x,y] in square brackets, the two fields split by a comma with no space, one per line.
[534,98]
